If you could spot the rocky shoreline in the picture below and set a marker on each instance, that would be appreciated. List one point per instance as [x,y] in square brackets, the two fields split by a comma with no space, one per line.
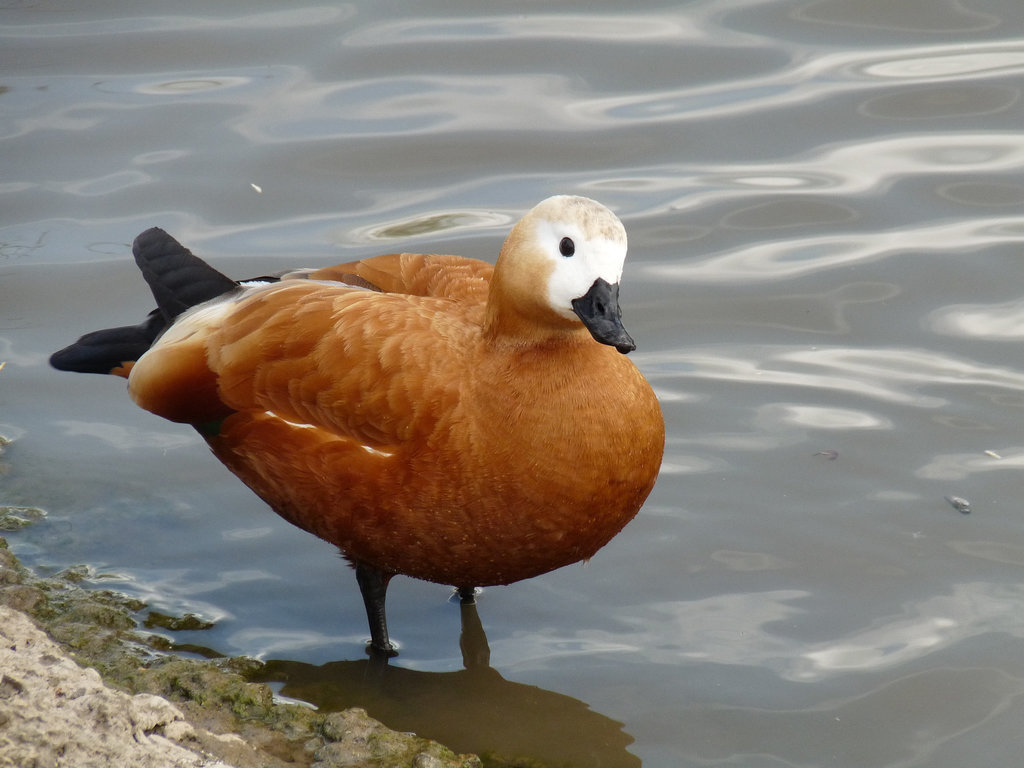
[81,686]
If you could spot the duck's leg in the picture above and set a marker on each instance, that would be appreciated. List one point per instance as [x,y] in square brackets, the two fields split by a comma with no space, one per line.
[373,585]
[476,653]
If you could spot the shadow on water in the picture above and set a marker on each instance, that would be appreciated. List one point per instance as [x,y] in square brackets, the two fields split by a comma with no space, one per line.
[473,709]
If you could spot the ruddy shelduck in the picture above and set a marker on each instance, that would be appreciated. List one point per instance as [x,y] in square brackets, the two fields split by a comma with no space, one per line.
[430,415]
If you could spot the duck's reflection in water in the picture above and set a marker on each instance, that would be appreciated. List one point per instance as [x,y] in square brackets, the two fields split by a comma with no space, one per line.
[472,710]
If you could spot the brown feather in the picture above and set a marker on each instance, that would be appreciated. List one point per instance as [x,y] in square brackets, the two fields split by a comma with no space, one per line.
[434,428]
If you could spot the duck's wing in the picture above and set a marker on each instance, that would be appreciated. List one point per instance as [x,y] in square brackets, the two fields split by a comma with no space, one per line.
[415,274]
[380,369]
[376,368]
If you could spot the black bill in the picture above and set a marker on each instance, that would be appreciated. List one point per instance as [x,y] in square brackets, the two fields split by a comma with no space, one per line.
[599,310]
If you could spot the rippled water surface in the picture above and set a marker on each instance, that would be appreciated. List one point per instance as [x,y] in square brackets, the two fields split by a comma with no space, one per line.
[824,203]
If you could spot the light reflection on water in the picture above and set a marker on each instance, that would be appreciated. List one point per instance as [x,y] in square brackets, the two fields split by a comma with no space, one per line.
[822,204]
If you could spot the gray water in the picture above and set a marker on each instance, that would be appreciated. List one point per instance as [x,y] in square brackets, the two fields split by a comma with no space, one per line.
[823,199]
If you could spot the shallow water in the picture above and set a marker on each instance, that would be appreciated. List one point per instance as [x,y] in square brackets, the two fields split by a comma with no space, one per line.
[823,200]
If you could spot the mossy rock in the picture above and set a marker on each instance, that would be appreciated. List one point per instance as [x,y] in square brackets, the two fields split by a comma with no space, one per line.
[13,518]
[101,630]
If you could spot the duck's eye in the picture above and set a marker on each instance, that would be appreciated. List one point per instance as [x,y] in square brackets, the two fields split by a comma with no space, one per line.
[567,247]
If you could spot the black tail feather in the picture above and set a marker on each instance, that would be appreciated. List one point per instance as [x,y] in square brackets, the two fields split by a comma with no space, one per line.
[178,278]
[107,350]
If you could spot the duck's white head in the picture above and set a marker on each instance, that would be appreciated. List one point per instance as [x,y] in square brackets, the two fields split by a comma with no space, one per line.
[561,265]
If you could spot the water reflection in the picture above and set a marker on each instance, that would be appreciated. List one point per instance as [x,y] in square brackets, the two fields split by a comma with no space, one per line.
[983,193]
[998,322]
[945,63]
[777,260]
[893,375]
[776,415]
[931,103]
[826,312]
[92,31]
[957,466]
[993,551]
[99,186]
[925,627]
[901,721]
[593,27]
[123,439]
[851,170]
[786,213]
[885,15]
[470,710]
[193,85]
[757,629]
[430,223]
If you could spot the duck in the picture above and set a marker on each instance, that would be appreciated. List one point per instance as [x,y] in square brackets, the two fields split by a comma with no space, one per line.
[430,415]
